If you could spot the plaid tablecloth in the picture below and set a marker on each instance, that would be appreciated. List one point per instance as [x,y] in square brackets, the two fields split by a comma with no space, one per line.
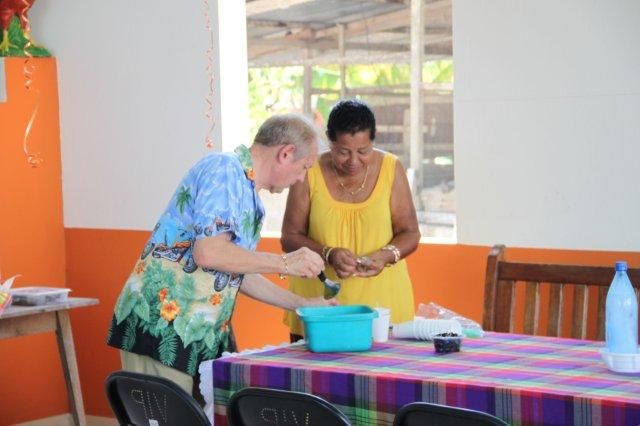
[525,380]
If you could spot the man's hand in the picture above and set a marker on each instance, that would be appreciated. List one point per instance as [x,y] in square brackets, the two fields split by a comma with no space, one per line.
[304,263]
[320,301]
[258,287]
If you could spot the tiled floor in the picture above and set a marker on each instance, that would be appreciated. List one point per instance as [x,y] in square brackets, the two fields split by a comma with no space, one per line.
[66,420]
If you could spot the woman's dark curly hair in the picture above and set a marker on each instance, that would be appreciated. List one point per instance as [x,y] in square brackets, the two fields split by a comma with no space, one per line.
[350,116]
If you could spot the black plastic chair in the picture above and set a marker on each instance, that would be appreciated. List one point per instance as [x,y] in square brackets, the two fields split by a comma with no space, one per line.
[426,414]
[138,399]
[261,406]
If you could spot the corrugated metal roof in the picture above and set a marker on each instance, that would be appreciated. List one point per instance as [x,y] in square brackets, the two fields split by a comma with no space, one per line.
[293,31]
[326,13]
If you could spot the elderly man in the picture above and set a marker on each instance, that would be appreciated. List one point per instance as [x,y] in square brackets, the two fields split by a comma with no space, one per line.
[175,308]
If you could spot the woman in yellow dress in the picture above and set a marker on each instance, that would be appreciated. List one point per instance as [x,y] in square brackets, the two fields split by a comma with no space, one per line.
[356,210]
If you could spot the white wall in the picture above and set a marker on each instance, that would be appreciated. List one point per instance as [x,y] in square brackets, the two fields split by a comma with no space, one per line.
[132,86]
[547,123]
[3,82]
[547,109]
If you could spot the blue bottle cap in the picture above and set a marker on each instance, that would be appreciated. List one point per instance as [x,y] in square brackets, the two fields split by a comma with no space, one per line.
[621,265]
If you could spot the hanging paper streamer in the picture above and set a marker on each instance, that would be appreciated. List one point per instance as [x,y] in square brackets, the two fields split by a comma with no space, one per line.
[34,160]
[209,55]
[3,83]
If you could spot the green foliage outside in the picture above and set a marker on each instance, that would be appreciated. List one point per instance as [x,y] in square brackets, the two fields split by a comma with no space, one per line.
[271,91]
[279,90]
[14,45]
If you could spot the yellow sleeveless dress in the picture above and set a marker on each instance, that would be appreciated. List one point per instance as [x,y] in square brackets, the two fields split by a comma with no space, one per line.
[362,228]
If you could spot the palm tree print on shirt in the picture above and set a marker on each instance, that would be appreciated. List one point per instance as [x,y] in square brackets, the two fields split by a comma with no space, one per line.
[183,198]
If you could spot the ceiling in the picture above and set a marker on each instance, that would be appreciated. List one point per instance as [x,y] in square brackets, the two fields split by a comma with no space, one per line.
[297,32]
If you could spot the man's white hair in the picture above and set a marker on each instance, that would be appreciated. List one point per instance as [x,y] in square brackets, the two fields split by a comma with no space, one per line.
[283,129]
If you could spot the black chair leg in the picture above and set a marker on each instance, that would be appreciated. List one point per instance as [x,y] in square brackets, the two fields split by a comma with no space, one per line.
[231,341]
[195,391]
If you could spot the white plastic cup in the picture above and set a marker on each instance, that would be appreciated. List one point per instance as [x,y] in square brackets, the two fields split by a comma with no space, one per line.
[422,328]
[380,325]
[403,330]
[418,327]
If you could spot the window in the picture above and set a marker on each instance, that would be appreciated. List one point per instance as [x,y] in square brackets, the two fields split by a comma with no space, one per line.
[304,58]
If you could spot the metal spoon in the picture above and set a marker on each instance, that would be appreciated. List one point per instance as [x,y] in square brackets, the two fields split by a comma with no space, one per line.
[331,288]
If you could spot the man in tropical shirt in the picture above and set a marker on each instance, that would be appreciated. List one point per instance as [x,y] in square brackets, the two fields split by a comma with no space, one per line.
[175,308]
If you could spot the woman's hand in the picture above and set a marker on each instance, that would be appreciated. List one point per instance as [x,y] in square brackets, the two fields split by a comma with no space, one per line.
[343,261]
[370,266]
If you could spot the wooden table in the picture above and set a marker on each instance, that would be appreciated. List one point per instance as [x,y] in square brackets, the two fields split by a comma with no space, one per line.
[25,320]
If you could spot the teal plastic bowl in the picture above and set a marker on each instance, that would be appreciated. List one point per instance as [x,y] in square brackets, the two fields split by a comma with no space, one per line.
[337,328]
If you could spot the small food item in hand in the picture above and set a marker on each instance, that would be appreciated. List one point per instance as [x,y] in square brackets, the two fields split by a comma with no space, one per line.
[364,260]
[447,342]
[363,263]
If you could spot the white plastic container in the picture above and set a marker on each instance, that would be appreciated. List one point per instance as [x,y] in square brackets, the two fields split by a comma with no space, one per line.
[621,363]
[380,330]
[39,295]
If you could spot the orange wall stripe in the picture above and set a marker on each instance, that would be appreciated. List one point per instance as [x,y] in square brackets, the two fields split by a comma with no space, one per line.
[31,237]
[99,262]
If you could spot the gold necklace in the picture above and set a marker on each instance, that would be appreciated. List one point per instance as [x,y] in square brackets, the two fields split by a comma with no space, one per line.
[355,191]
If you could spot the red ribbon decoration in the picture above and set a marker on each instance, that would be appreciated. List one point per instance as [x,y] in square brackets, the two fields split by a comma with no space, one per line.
[208,139]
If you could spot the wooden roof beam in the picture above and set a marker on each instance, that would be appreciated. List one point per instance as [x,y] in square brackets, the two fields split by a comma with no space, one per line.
[367,58]
[264,46]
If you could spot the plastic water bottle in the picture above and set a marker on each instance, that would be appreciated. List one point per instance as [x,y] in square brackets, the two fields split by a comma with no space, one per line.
[621,323]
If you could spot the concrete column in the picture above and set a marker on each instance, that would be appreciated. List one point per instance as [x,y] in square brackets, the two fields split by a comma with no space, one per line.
[231,97]
[416,101]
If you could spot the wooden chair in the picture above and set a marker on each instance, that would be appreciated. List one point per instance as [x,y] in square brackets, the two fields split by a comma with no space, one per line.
[500,294]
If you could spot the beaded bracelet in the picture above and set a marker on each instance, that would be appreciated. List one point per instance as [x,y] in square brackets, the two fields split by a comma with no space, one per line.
[394,250]
[327,253]
[323,253]
[286,267]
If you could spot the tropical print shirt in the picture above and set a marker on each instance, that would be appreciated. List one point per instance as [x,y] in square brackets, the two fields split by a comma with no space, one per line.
[171,309]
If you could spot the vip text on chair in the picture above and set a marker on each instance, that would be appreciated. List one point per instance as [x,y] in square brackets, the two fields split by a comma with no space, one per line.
[140,399]
[261,406]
